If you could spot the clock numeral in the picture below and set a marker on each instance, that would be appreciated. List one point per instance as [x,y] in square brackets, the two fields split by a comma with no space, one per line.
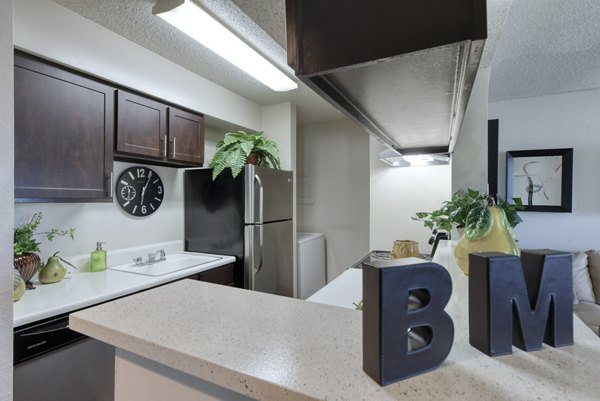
[141,173]
[144,210]
[159,190]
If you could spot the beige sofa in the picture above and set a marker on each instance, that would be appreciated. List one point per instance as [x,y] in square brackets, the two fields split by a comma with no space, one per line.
[586,288]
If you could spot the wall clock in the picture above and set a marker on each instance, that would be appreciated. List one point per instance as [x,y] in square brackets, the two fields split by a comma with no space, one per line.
[140,191]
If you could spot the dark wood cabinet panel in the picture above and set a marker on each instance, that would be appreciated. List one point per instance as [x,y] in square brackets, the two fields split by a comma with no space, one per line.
[64,129]
[152,131]
[219,275]
[186,136]
[141,125]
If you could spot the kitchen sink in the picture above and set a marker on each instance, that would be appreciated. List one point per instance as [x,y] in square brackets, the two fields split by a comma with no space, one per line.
[173,263]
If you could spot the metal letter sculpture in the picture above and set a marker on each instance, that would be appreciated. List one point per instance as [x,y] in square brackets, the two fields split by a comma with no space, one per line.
[521,302]
[405,328]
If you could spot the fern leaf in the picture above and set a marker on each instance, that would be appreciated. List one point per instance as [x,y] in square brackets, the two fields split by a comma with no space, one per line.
[247,148]
[235,137]
[237,161]
[274,162]
[218,169]
[272,153]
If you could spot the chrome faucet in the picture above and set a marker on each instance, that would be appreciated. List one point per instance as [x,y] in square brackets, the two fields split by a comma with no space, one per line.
[152,258]
[160,253]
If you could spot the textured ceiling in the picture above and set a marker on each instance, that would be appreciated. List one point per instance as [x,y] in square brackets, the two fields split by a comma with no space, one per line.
[543,47]
[548,47]
[133,20]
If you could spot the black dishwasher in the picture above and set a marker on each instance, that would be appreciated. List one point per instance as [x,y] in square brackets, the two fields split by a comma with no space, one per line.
[54,363]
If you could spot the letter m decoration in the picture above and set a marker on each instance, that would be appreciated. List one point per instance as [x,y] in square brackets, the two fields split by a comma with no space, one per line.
[523,301]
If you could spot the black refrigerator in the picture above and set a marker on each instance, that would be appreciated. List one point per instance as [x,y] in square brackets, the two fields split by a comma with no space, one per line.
[249,217]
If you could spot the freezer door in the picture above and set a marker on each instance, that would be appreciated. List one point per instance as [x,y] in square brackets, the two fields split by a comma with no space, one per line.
[268,194]
[268,258]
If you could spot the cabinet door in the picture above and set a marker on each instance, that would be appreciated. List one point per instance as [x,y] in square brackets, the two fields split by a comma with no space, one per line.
[64,128]
[218,275]
[186,137]
[141,126]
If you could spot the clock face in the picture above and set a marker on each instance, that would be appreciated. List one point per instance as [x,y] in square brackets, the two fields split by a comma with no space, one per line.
[140,191]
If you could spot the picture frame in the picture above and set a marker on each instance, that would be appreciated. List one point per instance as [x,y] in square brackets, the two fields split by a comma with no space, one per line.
[543,179]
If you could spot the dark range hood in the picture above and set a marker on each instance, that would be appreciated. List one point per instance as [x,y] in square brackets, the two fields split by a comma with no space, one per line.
[402,69]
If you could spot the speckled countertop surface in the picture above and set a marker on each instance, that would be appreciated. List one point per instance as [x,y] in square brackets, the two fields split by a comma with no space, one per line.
[275,348]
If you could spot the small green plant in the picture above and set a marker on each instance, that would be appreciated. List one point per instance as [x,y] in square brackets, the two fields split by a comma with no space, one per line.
[237,148]
[24,241]
[454,212]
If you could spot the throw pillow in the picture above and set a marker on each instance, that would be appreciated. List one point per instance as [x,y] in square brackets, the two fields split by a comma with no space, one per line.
[582,283]
[594,267]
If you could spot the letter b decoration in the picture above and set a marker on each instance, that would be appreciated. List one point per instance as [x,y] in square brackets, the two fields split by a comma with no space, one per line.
[405,328]
[522,302]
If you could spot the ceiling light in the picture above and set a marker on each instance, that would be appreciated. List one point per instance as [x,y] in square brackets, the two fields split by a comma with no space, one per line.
[395,159]
[192,20]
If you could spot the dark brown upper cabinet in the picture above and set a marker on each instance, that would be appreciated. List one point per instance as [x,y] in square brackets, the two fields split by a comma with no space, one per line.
[151,131]
[141,126]
[186,136]
[64,130]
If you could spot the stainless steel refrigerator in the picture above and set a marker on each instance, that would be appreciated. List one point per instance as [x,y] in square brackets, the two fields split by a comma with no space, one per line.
[249,217]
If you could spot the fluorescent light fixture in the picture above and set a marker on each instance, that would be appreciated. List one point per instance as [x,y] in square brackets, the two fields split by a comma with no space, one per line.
[192,20]
[395,159]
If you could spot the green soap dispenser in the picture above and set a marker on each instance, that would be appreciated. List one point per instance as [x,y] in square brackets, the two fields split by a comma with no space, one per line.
[98,261]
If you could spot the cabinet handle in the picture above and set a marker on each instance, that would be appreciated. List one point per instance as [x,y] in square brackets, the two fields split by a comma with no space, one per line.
[111,183]
[174,146]
[164,139]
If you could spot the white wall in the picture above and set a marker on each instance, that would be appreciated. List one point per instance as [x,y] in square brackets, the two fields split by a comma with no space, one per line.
[397,193]
[470,157]
[333,190]
[6,199]
[52,31]
[279,125]
[569,120]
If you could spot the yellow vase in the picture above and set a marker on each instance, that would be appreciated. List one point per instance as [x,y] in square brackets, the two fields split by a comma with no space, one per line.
[501,238]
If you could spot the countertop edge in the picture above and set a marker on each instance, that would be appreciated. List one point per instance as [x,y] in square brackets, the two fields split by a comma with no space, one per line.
[95,300]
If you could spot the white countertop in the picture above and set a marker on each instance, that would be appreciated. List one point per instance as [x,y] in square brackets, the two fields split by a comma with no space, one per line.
[82,289]
[273,348]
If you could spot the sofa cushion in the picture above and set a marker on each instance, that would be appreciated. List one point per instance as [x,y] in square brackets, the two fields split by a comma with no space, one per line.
[594,268]
[582,283]
[589,313]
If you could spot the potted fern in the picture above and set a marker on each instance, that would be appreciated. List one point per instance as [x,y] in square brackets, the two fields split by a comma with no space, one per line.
[240,148]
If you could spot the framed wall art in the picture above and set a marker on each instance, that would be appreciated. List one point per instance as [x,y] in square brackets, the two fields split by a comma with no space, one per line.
[543,179]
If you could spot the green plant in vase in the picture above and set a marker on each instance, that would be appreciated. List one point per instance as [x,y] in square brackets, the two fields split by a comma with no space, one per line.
[240,148]
[454,212]
[26,246]
[487,226]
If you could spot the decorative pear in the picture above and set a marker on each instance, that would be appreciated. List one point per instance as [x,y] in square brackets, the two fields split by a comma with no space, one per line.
[52,272]
[18,286]
[487,230]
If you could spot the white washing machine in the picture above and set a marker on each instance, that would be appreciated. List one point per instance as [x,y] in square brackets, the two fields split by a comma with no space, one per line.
[312,270]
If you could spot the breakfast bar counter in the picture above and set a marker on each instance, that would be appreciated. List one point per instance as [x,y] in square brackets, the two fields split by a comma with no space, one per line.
[194,340]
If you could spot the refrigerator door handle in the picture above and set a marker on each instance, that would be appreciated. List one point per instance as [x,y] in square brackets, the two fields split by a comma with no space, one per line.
[260,200]
[260,249]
